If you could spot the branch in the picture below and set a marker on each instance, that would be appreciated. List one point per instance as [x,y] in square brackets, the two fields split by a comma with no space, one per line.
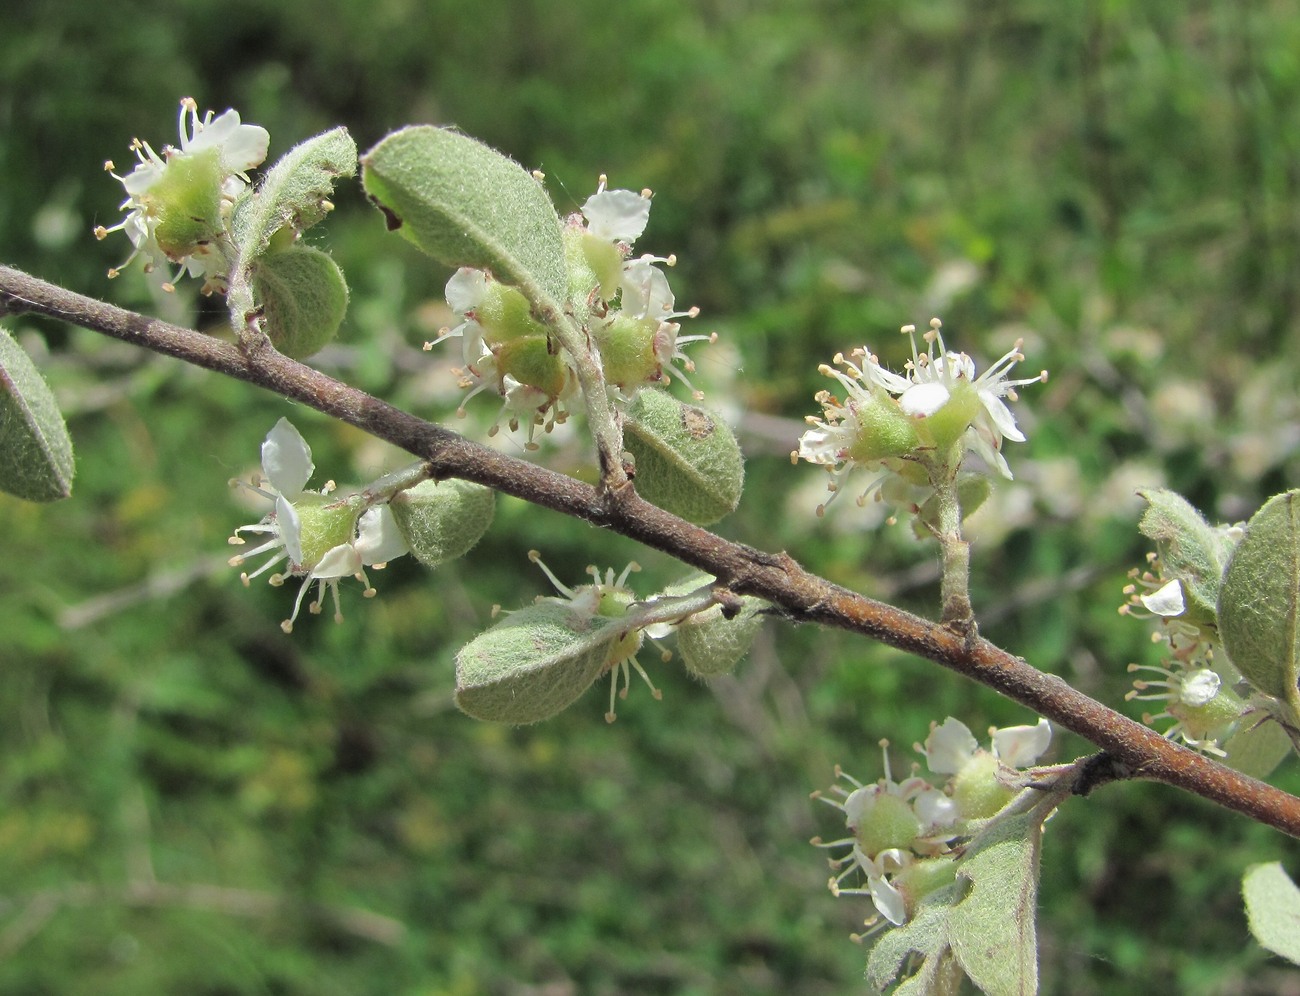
[802,597]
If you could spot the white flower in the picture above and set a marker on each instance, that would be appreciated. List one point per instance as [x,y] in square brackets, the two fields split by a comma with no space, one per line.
[205,174]
[867,429]
[879,816]
[937,379]
[322,541]
[899,424]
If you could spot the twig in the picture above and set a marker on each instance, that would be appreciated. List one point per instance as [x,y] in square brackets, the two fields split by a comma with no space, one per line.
[800,595]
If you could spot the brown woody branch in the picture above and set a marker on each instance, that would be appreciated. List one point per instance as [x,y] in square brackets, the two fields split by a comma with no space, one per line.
[1131,748]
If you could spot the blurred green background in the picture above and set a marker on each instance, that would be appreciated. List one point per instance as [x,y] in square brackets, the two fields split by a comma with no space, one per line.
[193,802]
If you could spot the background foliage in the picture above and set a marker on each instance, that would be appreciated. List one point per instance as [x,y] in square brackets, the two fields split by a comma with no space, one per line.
[193,802]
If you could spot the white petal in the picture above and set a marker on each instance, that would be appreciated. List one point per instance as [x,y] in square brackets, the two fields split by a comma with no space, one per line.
[1166,600]
[923,400]
[466,289]
[888,900]
[949,747]
[858,806]
[1199,688]
[140,179]
[1021,746]
[246,148]
[820,446]
[617,215]
[1001,415]
[290,529]
[340,562]
[646,293]
[378,538]
[286,459]
[936,809]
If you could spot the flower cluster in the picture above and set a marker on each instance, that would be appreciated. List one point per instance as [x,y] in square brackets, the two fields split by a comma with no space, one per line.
[902,835]
[625,305]
[322,540]
[178,203]
[913,427]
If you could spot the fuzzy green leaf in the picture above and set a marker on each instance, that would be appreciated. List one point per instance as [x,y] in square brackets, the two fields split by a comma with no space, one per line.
[923,938]
[295,192]
[992,929]
[465,204]
[687,460]
[35,449]
[532,665]
[1259,603]
[1273,909]
[442,520]
[1190,548]
[303,297]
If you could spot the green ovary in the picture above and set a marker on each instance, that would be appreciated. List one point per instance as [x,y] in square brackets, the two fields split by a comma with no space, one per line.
[323,527]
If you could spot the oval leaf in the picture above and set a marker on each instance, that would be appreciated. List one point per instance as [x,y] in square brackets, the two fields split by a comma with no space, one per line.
[992,929]
[1190,549]
[687,460]
[35,449]
[1273,909]
[465,204]
[534,664]
[1259,614]
[442,520]
[303,297]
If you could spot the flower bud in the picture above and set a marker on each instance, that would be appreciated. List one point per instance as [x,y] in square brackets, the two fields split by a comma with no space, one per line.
[323,525]
[442,520]
[186,200]
[536,362]
[627,350]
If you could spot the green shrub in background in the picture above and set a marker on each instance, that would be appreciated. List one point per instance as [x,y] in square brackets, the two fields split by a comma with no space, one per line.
[1116,185]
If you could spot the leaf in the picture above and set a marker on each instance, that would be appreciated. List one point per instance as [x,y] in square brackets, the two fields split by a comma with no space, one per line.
[294,192]
[465,204]
[1191,550]
[1273,909]
[687,459]
[925,935]
[35,450]
[442,520]
[992,929]
[303,297]
[1259,602]
[534,664]
[1258,747]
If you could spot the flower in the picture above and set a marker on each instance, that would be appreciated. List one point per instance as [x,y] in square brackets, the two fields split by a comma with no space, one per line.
[178,203]
[908,425]
[893,826]
[323,541]
[1205,711]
